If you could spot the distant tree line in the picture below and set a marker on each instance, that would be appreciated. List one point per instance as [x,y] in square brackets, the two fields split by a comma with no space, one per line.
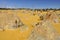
[46,9]
[6,9]
[29,9]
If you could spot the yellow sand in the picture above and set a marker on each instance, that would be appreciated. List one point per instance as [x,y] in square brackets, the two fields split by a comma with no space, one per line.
[28,19]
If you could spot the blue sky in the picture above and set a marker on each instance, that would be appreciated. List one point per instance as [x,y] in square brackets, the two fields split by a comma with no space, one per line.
[30,3]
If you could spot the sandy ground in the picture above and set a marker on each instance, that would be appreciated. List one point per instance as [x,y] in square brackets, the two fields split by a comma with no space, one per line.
[29,20]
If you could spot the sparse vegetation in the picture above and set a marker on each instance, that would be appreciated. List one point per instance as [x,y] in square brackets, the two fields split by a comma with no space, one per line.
[22,20]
